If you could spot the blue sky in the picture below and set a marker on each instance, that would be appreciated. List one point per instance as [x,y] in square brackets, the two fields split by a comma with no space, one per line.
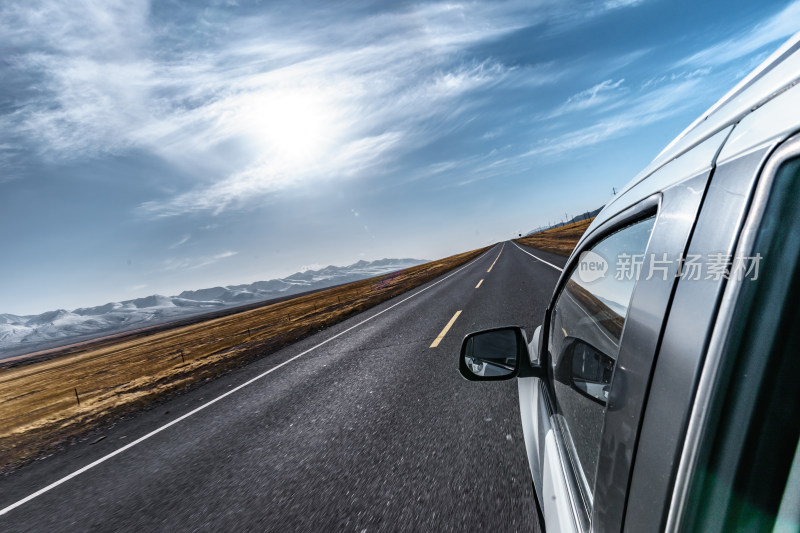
[151,148]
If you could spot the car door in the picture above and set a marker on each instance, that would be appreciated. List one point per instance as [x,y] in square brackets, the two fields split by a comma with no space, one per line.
[598,343]
[677,412]
[740,468]
[584,332]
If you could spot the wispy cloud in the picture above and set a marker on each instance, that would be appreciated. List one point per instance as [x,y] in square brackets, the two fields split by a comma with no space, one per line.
[676,76]
[624,109]
[192,263]
[275,106]
[183,240]
[594,96]
[779,27]
[616,4]
[286,100]
[646,108]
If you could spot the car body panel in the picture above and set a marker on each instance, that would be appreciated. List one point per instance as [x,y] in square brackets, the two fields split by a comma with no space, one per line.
[684,181]
[701,189]
[744,431]
[543,457]
[775,74]
[638,463]
[558,509]
[767,126]
[695,162]
[684,342]
[649,305]
[694,309]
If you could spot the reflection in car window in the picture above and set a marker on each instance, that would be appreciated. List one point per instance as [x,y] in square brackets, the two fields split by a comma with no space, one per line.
[585,330]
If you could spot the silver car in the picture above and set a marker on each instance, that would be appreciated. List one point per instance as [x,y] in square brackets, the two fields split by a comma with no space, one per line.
[662,391]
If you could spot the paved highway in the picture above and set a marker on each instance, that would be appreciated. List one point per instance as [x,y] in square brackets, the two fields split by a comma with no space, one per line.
[364,426]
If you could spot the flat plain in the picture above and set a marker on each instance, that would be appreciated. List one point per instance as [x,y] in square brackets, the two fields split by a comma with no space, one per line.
[560,240]
[57,396]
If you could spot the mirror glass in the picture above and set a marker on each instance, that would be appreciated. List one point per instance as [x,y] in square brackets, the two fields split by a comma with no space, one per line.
[492,353]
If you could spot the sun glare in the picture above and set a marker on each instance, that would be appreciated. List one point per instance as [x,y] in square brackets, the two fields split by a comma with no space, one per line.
[293,129]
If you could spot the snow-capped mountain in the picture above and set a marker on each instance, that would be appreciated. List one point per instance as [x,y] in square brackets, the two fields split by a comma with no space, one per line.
[23,334]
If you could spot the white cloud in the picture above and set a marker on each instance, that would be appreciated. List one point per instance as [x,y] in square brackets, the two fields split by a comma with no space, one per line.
[275,105]
[94,80]
[616,4]
[191,263]
[779,27]
[592,97]
[183,240]
[676,76]
[643,109]
[291,106]
[647,108]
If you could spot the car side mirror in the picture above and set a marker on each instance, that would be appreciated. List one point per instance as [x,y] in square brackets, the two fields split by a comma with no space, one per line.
[585,369]
[496,354]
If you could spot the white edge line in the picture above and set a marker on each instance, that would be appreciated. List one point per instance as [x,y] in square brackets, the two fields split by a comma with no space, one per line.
[91,465]
[538,258]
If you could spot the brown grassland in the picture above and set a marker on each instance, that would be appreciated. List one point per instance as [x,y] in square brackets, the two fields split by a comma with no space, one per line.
[50,401]
[561,240]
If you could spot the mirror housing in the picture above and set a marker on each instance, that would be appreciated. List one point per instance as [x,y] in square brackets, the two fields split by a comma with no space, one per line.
[497,354]
[535,346]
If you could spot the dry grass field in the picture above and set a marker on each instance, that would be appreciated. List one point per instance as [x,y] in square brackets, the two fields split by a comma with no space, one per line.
[53,399]
[560,240]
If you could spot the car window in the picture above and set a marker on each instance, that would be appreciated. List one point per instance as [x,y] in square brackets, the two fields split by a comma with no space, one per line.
[585,330]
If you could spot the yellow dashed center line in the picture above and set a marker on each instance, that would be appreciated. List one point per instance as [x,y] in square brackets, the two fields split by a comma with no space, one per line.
[496,258]
[449,325]
[479,284]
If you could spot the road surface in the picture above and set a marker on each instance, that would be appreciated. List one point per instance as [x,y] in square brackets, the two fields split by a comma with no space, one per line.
[364,426]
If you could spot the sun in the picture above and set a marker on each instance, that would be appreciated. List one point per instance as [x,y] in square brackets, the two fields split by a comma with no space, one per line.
[290,127]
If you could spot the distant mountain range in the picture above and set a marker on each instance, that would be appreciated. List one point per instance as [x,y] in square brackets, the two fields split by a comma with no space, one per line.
[23,334]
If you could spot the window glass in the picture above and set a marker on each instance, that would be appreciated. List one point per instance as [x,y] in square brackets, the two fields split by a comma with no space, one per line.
[585,330]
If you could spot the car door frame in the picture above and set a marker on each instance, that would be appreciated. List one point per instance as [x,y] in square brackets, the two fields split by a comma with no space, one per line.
[686,366]
[558,488]
[749,176]
[676,208]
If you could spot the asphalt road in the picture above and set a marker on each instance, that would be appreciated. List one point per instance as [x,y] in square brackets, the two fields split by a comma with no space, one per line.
[373,430]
